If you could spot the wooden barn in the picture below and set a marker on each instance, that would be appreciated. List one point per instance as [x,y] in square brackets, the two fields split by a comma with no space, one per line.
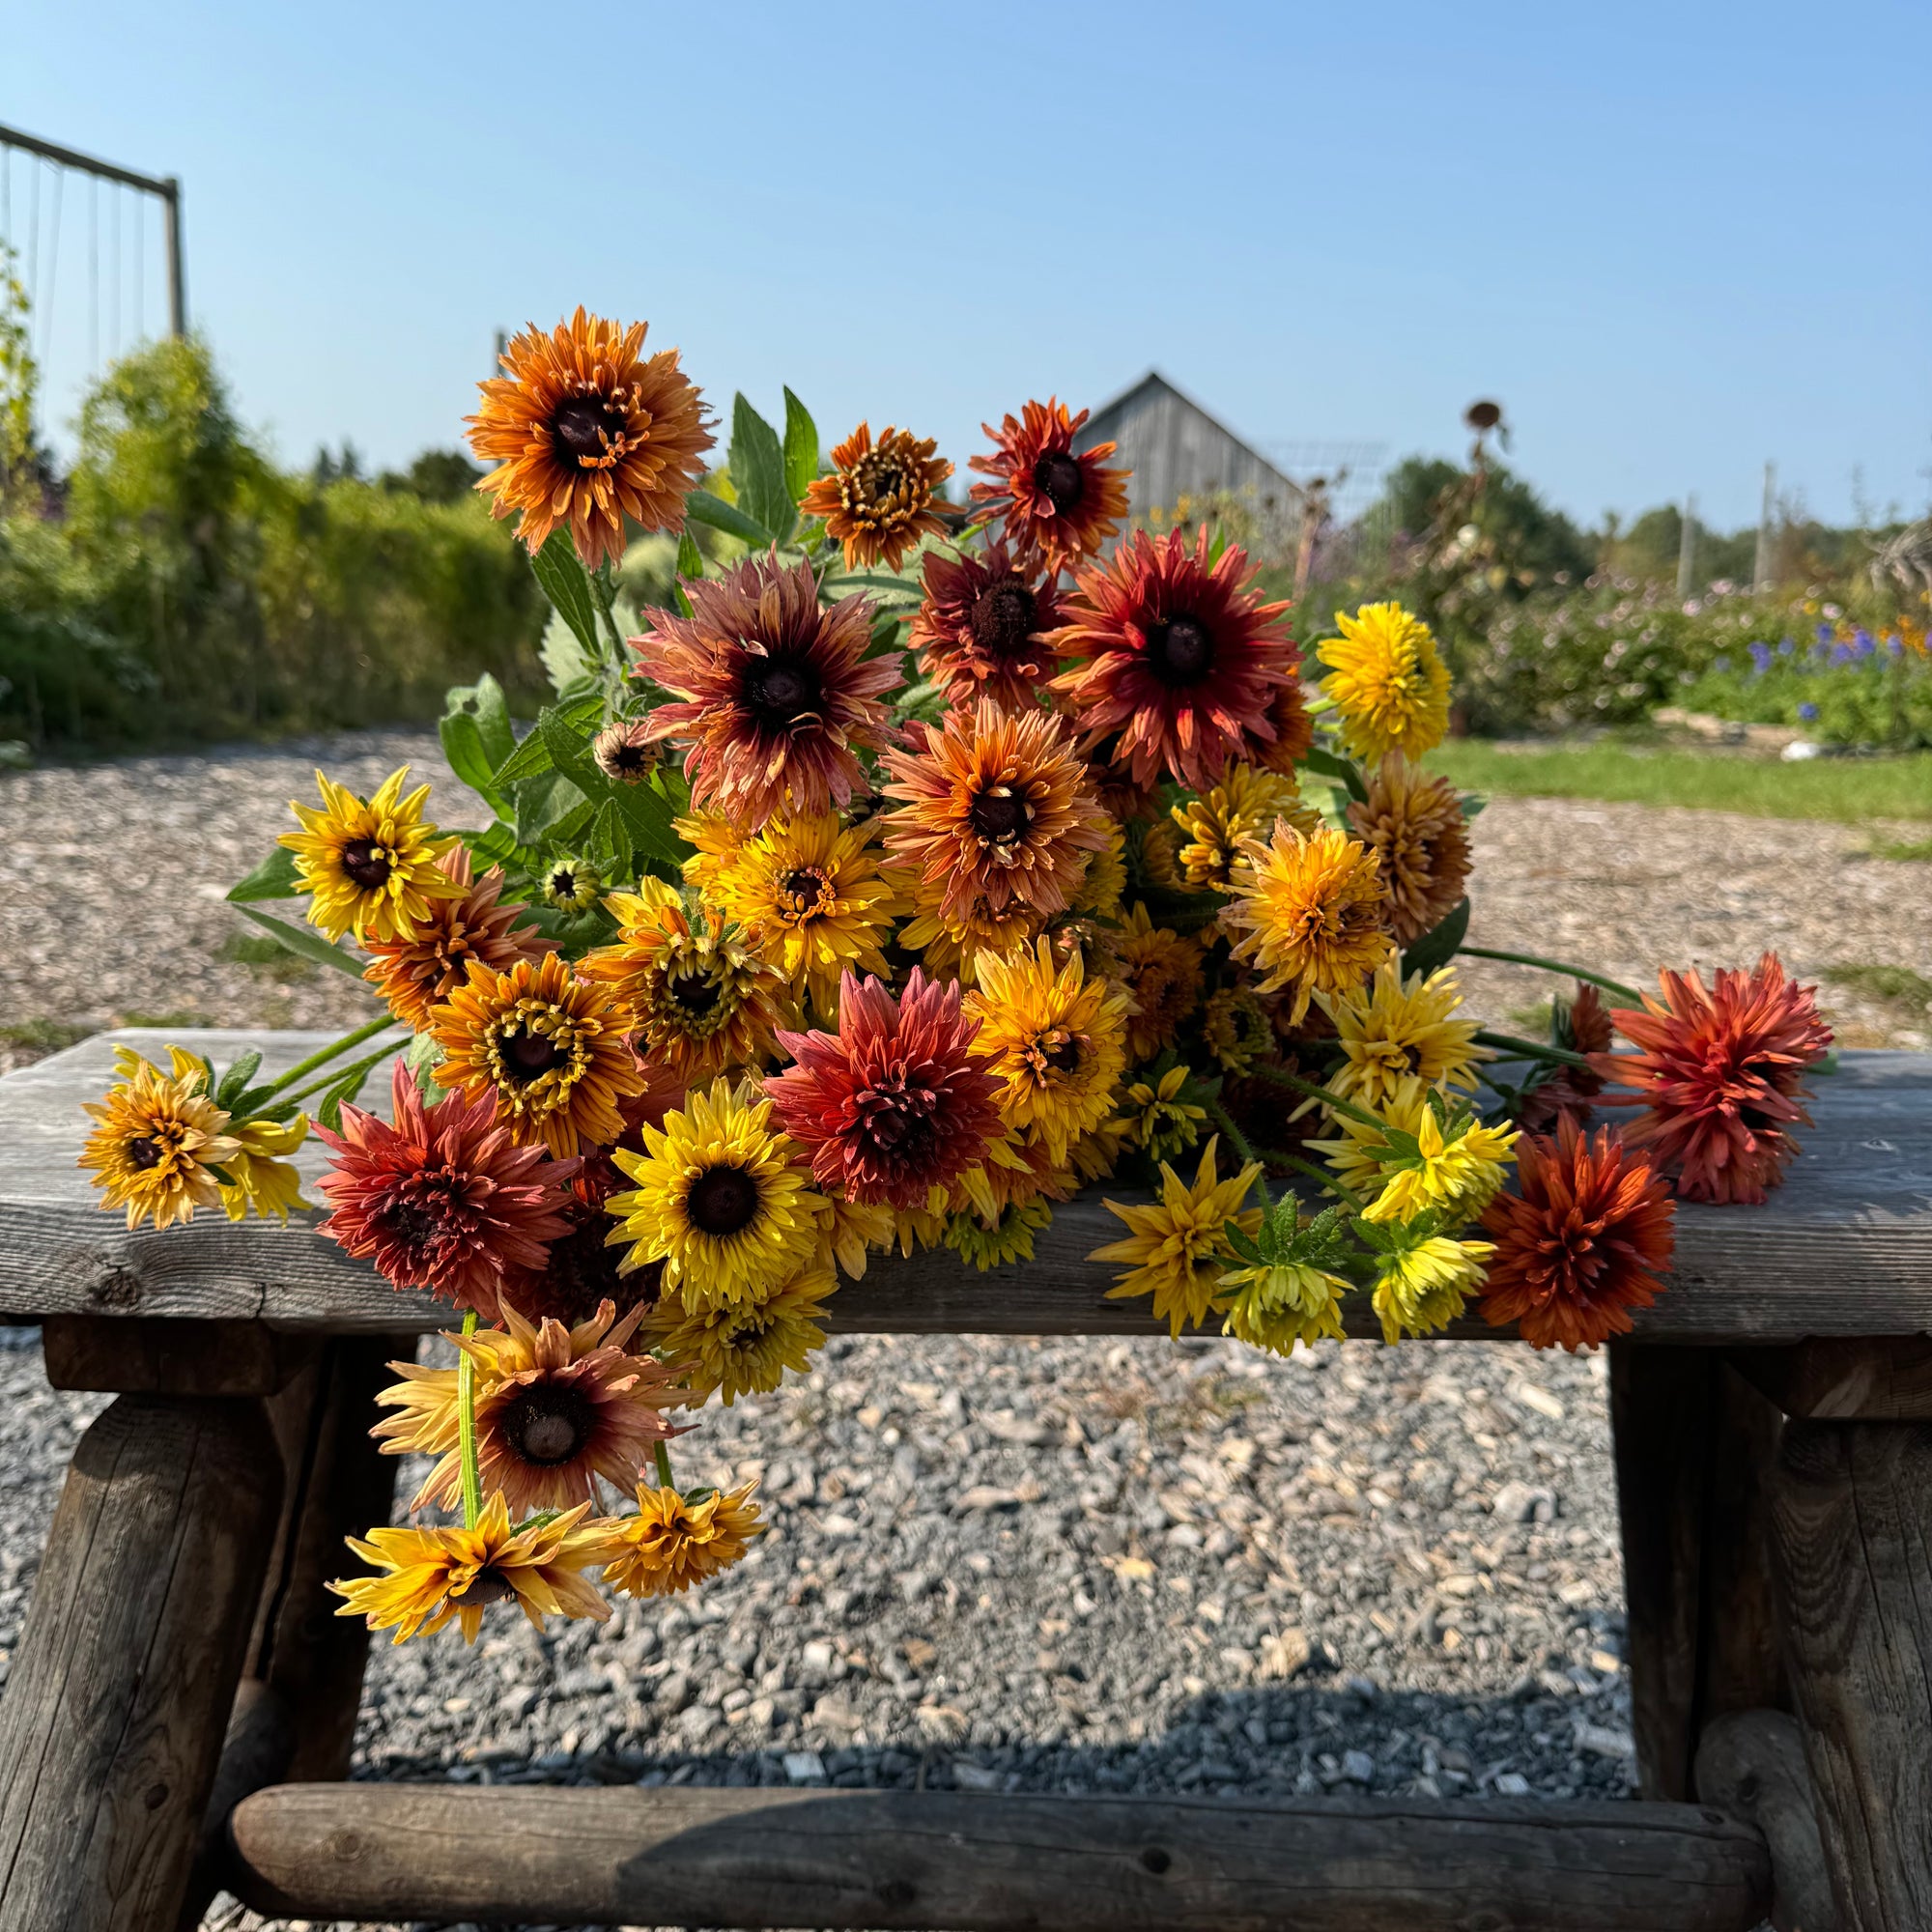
[1176,449]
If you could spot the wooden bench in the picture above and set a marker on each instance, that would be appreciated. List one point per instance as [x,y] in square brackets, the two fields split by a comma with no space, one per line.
[181,1705]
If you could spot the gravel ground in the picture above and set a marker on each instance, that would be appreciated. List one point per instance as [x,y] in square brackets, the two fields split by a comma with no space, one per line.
[1066,1565]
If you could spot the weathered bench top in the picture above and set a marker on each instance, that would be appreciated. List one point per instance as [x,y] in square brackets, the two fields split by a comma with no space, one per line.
[1843,1248]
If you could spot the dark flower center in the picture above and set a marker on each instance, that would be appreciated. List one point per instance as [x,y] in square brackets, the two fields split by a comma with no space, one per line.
[529,1056]
[1060,479]
[750,1335]
[1181,651]
[488,1586]
[721,1201]
[366,864]
[563,883]
[696,992]
[804,890]
[578,429]
[1003,618]
[547,1424]
[895,1119]
[629,759]
[780,692]
[145,1152]
[878,481]
[413,1225]
[1001,815]
[1065,1056]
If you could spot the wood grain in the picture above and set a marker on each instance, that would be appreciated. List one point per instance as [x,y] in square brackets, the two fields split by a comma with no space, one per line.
[143,1355]
[902,1859]
[1751,1766]
[113,1716]
[1853,1549]
[1848,1378]
[1844,1247]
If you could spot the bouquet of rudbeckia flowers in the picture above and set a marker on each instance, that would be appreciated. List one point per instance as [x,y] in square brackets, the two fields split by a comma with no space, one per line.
[917,866]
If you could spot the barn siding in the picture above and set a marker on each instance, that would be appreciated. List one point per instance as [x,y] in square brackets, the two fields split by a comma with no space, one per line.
[1175,448]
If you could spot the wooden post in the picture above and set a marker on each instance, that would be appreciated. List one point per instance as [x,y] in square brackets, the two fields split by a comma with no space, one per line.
[114,1714]
[1692,1439]
[1853,1545]
[1751,1766]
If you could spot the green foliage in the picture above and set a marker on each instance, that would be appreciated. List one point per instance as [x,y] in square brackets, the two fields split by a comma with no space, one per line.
[1902,984]
[193,591]
[1839,685]
[20,380]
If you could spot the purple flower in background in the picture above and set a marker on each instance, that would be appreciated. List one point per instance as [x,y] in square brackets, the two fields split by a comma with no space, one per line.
[1785,647]
[1825,634]
[1760,658]
[1864,641]
[1809,713]
[1894,643]
[1842,654]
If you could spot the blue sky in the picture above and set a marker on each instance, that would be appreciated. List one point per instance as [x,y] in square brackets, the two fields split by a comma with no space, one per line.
[1675,239]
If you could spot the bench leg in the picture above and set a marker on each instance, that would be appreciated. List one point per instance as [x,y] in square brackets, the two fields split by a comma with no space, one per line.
[1691,1441]
[1852,1543]
[113,1717]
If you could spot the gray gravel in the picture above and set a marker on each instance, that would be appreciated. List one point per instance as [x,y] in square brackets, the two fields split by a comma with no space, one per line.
[1022,1565]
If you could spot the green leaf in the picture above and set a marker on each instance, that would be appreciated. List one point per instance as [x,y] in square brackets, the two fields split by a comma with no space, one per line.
[1243,1246]
[702,507]
[463,745]
[1439,947]
[610,842]
[544,805]
[484,700]
[274,878]
[689,558]
[801,447]
[298,939]
[565,660]
[1474,803]
[758,471]
[1332,767]
[530,761]
[330,1112]
[234,1081]
[568,588]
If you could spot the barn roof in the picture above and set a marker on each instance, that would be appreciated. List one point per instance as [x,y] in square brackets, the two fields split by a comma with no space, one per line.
[1098,427]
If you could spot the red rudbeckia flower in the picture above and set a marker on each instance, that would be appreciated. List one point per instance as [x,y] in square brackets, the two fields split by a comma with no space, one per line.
[983,627]
[1055,501]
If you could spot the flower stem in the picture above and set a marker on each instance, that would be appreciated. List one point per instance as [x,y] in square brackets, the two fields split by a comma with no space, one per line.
[1283,1078]
[465,1428]
[328,1053]
[336,1074]
[662,1456]
[1239,1141]
[1529,1049]
[1327,1181]
[1628,994]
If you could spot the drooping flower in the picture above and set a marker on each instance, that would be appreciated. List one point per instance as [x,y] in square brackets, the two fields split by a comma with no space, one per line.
[1394,1029]
[676,1541]
[850,1233]
[809,894]
[1569,1093]
[1056,1039]
[994,807]
[159,1136]
[446,1198]
[556,1408]
[1177,1248]
[893,1105]
[700,998]
[1018,1169]
[434,1576]
[587,431]
[745,1346]
[1718,1076]
[1237,1029]
[996,1243]
[954,941]
[721,1199]
[983,628]
[876,499]
[1181,659]
[545,1045]
[624,752]
[1389,682]
[1455,1170]
[1416,824]
[1423,1281]
[776,698]
[1162,972]
[260,1175]
[421,972]
[369,866]
[1162,1121]
[1054,501]
[1244,804]
[1307,913]
[1582,1244]
[1277,1305]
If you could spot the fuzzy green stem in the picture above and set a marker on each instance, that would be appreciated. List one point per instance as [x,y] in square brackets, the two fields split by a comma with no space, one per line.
[1625,993]
[1239,1141]
[336,1074]
[1530,1049]
[1327,1181]
[326,1054]
[465,1428]
[663,1458]
[1360,1114]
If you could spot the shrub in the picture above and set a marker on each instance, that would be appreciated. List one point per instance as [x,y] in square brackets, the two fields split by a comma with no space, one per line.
[1840,684]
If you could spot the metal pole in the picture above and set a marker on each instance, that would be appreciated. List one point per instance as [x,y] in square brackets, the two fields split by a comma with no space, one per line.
[171,196]
[1687,547]
[1761,565]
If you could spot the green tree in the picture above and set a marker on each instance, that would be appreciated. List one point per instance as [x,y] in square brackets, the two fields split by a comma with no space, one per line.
[19,380]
